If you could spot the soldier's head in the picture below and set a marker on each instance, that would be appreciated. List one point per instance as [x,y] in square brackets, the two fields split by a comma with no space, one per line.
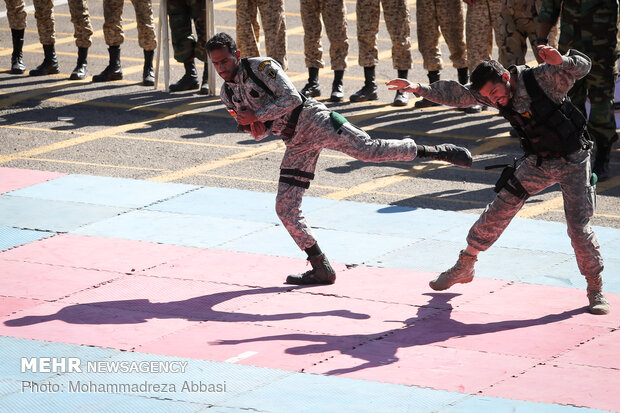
[223,52]
[492,81]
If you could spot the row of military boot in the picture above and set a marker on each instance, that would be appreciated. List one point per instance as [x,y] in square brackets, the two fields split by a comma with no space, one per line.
[112,72]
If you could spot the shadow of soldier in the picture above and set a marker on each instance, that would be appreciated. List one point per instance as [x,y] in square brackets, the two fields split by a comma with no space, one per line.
[192,309]
[423,329]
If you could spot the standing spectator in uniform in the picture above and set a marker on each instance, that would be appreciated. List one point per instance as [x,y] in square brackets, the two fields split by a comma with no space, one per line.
[481,21]
[447,15]
[113,33]
[592,27]
[186,46]
[44,13]
[518,24]
[334,12]
[16,13]
[396,15]
[274,28]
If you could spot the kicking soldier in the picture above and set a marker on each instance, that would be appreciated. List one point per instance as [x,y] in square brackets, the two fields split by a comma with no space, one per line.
[263,99]
[16,13]
[557,146]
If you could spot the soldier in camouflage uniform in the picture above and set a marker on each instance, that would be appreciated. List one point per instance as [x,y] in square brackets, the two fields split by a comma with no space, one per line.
[113,33]
[44,13]
[396,14]
[334,12]
[591,26]
[481,20]
[263,100]
[430,16]
[274,28]
[186,47]
[493,85]
[518,24]
[16,13]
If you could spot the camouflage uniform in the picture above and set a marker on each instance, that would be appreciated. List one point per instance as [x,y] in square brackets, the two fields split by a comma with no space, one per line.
[44,13]
[16,13]
[113,29]
[591,26]
[333,12]
[447,15]
[274,27]
[315,130]
[396,14]
[180,15]
[481,21]
[518,23]
[572,172]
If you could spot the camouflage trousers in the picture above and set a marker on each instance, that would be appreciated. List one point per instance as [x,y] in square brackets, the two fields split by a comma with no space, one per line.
[573,174]
[334,12]
[16,13]
[82,29]
[431,15]
[518,24]
[396,14]
[316,131]
[181,13]
[113,28]
[274,27]
[481,21]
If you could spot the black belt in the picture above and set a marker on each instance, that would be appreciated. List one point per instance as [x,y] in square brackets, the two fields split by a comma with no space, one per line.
[289,130]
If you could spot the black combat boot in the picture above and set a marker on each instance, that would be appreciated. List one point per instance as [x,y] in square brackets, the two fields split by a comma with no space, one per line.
[321,272]
[601,163]
[79,72]
[17,58]
[50,63]
[433,76]
[401,99]
[148,73]
[312,90]
[189,81]
[463,75]
[446,152]
[369,90]
[204,86]
[113,71]
[337,87]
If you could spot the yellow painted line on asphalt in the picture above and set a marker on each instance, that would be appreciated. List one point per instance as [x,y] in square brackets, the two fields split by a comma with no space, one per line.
[218,163]
[261,181]
[533,210]
[13,98]
[136,168]
[88,137]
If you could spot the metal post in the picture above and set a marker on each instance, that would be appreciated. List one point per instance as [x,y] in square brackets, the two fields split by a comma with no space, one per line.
[210,28]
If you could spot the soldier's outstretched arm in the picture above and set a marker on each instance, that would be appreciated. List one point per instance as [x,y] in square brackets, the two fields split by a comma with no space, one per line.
[444,92]
[561,72]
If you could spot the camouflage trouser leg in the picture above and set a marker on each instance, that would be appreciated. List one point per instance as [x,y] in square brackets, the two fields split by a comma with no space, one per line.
[553,33]
[16,13]
[333,12]
[146,28]
[180,14]
[368,13]
[248,30]
[428,34]
[311,20]
[315,132]
[517,26]
[573,174]
[44,13]
[112,27]
[82,29]
[396,14]
[480,23]
[274,27]
[452,26]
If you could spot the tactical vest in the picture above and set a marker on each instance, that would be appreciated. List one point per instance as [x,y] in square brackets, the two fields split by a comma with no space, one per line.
[549,130]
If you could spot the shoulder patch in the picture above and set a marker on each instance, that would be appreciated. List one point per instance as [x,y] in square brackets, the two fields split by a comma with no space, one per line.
[271,73]
[263,65]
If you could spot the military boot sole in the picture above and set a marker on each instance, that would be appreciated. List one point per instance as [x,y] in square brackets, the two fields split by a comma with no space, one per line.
[183,88]
[77,76]
[17,71]
[364,98]
[50,71]
[404,101]
[148,82]
[441,287]
[425,103]
[107,78]
[305,280]
[336,98]
[599,309]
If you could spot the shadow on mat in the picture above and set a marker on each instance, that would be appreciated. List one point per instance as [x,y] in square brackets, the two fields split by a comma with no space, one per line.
[193,309]
[420,331]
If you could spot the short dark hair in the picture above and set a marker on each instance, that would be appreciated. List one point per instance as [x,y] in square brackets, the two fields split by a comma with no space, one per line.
[221,41]
[488,70]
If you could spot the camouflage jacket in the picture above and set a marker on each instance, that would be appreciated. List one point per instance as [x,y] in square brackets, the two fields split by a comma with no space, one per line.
[274,111]
[554,80]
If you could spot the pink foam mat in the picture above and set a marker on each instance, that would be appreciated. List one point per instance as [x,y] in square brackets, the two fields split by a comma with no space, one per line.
[601,351]
[11,305]
[14,178]
[552,382]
